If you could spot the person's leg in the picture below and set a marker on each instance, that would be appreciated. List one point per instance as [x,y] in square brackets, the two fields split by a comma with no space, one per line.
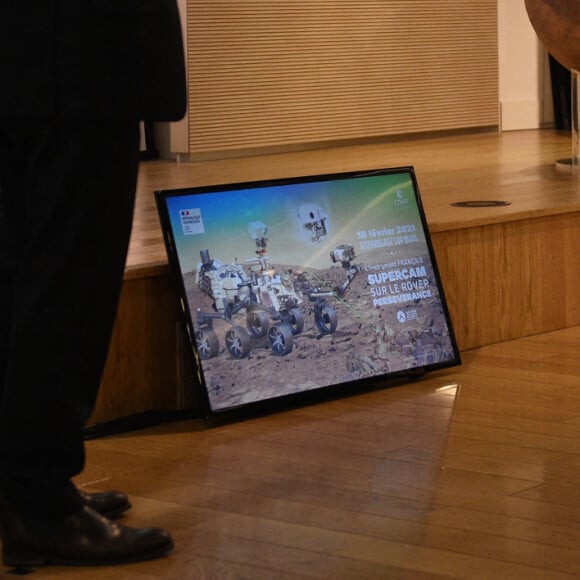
[66,197]
[9,181]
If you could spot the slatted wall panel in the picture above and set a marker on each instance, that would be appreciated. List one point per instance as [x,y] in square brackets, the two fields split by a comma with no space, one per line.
[275,73]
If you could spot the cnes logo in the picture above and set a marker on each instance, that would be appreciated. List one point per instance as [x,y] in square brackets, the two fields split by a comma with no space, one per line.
[400,198]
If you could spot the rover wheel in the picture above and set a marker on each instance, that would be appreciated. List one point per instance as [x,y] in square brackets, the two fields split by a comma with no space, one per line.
[326,319]
[238,342]
[296,321]
[280,339]
[258,323]
[208,344]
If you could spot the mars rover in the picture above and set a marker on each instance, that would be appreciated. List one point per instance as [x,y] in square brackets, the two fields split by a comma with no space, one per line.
[270,300]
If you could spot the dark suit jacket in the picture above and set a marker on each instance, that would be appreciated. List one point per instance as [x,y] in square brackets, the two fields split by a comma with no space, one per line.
[91,59]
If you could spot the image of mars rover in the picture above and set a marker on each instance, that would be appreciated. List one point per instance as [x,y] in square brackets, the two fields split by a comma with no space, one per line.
[258,302]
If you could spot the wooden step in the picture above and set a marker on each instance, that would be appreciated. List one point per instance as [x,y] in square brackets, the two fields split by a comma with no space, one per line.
[508,272]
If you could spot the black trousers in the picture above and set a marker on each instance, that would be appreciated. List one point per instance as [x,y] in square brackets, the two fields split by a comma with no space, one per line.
[67,193]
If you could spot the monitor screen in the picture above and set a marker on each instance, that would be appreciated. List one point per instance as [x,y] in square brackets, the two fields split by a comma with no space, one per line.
[304,285]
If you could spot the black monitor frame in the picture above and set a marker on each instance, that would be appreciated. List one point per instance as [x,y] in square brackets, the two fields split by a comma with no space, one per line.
[383,282]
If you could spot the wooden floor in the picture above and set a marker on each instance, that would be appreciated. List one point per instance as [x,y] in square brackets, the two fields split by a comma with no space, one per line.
[517,167]
[471,473]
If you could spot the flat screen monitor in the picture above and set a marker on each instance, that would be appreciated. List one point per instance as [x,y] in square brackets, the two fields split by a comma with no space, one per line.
[321,284]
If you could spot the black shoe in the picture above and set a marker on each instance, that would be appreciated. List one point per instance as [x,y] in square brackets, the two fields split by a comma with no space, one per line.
[110,504]
[84,538]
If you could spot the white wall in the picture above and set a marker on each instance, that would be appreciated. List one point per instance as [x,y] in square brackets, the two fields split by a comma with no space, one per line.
[172,139]
[524,80]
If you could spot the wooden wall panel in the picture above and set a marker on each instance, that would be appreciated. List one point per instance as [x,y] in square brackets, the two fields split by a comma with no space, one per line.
[266,73]
[513,279]
[142,367]
[571,282]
